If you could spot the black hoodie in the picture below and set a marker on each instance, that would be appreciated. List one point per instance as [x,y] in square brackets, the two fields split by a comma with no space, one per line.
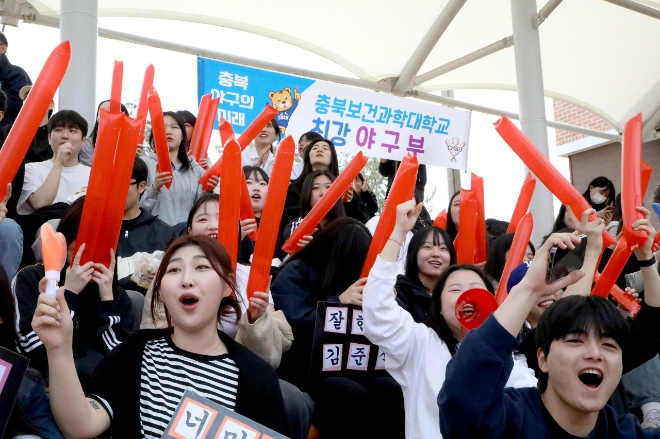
[414,298]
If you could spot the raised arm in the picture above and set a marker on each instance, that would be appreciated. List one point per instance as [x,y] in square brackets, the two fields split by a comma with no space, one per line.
[594,231]
[76,415]
[650,275]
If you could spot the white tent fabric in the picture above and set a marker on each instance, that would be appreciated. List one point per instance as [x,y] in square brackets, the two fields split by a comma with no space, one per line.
[594,54]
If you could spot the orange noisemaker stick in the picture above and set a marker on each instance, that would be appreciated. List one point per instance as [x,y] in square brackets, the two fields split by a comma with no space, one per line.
[53,253]
[441,220]
[402,190]
[226,130]
[115,92]
[516,254]
[196,141]
[207,128]
[327,201]
[245,210]
[545,171]
[467,220]
[522,205]
[158,133]
[143,105]
[35,106]
[607,280]
[110,226]
[270,217]
[99,186]
[266,115]
[230,196]
[631,181]
[645,175]
[480,230]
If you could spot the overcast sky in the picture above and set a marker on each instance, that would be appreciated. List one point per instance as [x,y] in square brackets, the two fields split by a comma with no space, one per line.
[176,82]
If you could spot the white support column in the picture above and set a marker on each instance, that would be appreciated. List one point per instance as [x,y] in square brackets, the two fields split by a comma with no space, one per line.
[529,76]
[79,24]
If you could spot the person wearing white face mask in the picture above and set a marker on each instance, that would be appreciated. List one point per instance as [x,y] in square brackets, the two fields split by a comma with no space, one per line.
[600,195]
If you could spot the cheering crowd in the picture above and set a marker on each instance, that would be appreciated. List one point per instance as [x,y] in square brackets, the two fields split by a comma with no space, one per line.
[112,354]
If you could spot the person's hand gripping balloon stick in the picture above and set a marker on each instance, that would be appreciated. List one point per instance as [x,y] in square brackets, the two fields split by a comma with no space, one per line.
[53,253]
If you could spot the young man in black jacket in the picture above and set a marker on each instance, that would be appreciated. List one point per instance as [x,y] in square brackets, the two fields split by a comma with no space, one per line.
[12,78]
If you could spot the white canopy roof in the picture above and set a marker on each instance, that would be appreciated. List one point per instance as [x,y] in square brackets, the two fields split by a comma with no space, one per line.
[595,54]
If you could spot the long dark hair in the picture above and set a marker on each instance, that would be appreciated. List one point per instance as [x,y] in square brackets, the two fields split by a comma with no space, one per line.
[497,255]
[95,130]
[337,255]
[439,324]
[218,258]
[307,165]
[416,243]
[451,227]
[559,221]
[601,182]
[182,153]
[199,203]
[306,194]
[278,131]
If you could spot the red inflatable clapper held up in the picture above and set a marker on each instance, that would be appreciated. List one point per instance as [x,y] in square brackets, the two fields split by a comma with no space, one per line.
[115,92]
[473,307]
[53,253]
[35,106]
[441,220]
[522,205]
[270,217]
[196,141]
[631,181]
[402,190]
[626,301]
[246,210]
[327,201]
[226,131]
[143,105]
[646,172]
[606,281]
[467,220]
[516,255]
[158,133]
[545,171]
[230,199]
[480,230]
[207,128]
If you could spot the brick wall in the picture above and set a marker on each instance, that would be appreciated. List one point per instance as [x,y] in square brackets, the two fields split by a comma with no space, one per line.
[569,113]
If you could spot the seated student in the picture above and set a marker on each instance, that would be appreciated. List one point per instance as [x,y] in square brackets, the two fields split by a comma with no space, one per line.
[320,154]
[55,180]
[31,413]
[581,342]
[430,253]
[416,355]
[11,239]
[172,205]
[257,183]
[497,254]
[140,383]
[361,186]
[315,186]
[261,153]
[86,154]
[304,140]
[102,309]
[140,231]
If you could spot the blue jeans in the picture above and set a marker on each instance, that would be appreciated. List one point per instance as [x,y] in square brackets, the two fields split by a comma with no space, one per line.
[642,384]
[34,403]
[11,247]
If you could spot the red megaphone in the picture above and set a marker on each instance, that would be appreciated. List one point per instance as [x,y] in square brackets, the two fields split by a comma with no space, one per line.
[473,307]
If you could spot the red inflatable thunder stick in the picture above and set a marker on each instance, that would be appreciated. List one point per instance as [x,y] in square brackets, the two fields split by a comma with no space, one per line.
[266,115]
[226,131]
[465,240]
[645,172]
[441,220]
[115,92]
[230,199]
[522,205]
[270,217]
[99,186]
[631,181]
[606,281]
[207,128]
[480,230]
[246,210]
[35,106]
[327,201]
[158,133]
[545,171]
[402,190]
[115,200]
[53,253]
[516,254]
[196,141]
[143,105]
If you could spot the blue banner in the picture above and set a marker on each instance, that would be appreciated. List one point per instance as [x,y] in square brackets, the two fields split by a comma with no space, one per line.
[245,91]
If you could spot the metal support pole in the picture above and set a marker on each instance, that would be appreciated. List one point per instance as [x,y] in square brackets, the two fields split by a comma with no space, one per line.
[453,175]
[79,25]
[529,77]
[637,7]
[545,12]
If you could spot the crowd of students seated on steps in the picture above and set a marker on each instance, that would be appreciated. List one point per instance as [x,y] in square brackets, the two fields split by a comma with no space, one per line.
[112,354]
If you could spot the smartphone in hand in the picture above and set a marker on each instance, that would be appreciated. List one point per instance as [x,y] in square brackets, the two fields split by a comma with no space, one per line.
[561,262]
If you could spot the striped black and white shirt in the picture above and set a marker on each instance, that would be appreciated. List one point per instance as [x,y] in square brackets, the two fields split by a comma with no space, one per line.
[168,371]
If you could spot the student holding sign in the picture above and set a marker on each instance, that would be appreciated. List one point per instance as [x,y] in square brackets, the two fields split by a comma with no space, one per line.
[416,354]
[138,387]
